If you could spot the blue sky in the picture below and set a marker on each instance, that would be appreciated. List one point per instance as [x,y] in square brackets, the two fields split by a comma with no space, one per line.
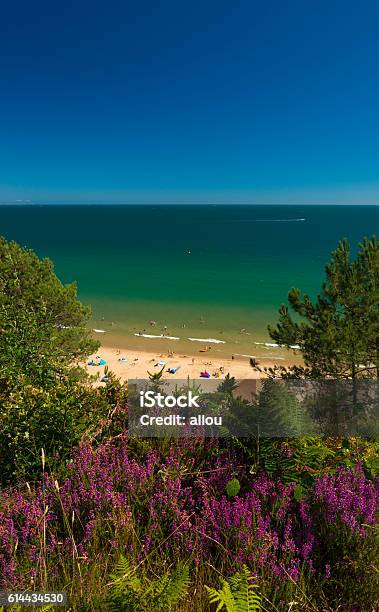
[243,101]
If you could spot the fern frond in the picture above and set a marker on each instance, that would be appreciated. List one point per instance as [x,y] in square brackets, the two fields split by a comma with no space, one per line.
[131,594]
[223,597]
[126,585]
[238,594]
[173,589]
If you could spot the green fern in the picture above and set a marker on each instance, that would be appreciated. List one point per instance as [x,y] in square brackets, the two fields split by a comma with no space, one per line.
[223,597]
[130,593]
[281,414]
[310,456]
[126,585]
[173,589]
[238,594]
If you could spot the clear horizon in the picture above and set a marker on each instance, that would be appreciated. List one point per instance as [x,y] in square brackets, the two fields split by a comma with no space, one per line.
[186,203]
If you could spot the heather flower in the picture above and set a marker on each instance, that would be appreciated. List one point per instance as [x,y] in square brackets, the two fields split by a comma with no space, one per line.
[349,496]
[114,500]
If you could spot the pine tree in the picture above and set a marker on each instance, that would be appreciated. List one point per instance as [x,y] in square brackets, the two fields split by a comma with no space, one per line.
[338,333]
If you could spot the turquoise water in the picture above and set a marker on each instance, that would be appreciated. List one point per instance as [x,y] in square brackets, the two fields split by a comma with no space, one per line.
[201,271]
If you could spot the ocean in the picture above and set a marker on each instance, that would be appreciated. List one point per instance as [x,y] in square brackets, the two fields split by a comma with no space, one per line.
[213,273]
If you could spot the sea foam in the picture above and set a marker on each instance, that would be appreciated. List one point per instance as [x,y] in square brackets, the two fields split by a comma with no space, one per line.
[273,345]
[160,336]
[207,340]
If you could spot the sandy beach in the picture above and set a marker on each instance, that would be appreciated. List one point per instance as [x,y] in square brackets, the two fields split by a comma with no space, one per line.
[133,363]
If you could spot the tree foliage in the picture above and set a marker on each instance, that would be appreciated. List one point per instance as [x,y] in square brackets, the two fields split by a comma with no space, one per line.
[338,332]
[40,317]
[44,400]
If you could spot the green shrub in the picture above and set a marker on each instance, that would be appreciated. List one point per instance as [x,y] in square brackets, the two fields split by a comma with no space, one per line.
[54,418]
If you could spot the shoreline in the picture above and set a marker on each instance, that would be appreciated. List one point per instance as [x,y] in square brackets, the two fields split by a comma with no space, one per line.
[241,343]
[131,363]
